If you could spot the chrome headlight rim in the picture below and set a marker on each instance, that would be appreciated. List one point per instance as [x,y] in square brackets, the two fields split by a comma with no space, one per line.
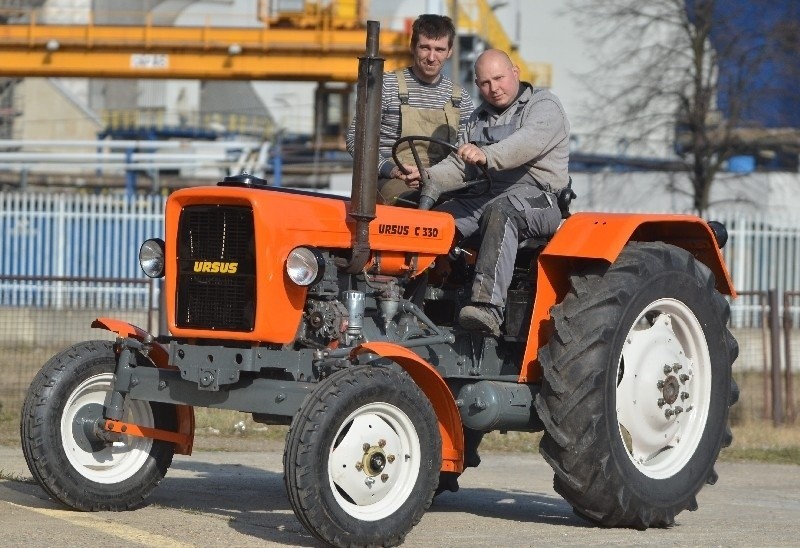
[305,266]
[152,257]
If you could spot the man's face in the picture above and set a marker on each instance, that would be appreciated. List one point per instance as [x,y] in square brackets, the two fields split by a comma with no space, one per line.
[497,81]
[430,55]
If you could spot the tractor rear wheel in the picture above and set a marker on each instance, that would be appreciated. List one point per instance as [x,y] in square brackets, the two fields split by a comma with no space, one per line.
[74,466]
[637,387]
[362,458]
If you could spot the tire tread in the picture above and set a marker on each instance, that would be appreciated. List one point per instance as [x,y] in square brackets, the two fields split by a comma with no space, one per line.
[573,444]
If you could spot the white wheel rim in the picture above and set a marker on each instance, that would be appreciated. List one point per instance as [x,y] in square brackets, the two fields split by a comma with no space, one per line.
[373,433]
[662,414]
[115,462]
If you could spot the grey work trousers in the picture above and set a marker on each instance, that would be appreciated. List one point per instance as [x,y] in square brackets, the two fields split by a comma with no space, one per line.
[504,218]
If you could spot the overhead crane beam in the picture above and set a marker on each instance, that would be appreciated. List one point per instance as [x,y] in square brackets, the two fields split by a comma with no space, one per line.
[203,53]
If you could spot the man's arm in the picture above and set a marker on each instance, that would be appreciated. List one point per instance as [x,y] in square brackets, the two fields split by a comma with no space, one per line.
[542,129]
[350,137]
[467,106]
[448,174]
[390,124]
[389,130]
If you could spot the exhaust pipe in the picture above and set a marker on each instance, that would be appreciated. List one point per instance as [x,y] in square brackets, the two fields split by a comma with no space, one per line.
[365,166]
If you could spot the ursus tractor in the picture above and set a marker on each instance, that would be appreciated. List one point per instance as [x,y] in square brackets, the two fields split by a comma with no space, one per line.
[334,316]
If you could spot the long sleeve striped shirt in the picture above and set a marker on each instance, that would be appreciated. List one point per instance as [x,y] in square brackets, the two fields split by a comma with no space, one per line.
[420,95]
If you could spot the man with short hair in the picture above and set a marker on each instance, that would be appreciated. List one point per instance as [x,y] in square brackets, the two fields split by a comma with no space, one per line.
[418,100]
[521,135]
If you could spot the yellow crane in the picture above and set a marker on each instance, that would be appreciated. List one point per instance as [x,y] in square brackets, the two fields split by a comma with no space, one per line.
[318,52]
[319,41]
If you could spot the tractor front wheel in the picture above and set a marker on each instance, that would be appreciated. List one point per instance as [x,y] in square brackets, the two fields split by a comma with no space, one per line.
[637,387]
[362,458]
[75,466]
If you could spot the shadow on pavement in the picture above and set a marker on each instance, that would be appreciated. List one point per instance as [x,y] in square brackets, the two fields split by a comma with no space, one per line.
[254,503]
[518,506]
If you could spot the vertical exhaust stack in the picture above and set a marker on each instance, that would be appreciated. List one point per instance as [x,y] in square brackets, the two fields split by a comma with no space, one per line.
[365,157]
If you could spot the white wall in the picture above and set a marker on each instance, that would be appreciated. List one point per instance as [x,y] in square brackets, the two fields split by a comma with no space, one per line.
[765,193]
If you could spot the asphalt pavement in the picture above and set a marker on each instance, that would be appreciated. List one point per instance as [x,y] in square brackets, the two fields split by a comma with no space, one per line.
[237,499]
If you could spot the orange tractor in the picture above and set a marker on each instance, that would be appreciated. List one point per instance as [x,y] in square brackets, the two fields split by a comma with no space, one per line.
[327,314]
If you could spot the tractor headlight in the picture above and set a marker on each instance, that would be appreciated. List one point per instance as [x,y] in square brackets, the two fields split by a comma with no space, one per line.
[151,257]
[305,266]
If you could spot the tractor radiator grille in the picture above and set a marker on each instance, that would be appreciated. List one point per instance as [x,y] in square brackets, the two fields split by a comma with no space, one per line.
[216,268]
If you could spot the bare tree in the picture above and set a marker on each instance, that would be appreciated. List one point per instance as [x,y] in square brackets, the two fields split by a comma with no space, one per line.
[658,79]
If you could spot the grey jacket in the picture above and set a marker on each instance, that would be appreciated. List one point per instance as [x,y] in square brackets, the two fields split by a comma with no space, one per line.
[527,143]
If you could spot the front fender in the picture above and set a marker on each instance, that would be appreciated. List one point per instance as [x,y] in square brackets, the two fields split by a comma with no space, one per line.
[437,391]
[160,357]
[158,354]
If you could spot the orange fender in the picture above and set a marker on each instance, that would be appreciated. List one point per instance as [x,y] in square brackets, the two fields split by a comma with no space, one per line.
[437,391]
[160,357]
[602,236]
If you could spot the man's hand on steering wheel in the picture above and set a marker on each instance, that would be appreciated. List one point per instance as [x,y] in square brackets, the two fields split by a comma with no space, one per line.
[471,154]
[408,173]
[427,199]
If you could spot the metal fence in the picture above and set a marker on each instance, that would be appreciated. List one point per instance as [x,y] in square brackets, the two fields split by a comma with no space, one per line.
[75,235]
[762,254]
[30,335]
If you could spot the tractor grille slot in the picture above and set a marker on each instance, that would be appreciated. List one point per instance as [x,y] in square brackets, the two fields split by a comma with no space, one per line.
[216,263]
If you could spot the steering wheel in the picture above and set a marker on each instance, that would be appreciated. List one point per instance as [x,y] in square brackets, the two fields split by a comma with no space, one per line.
[425,202]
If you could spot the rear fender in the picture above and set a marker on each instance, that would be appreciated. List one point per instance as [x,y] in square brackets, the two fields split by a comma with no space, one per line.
[601,237]
[437,391]
[160,357]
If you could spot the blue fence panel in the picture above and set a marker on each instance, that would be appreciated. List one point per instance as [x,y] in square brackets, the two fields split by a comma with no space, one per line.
[75,235]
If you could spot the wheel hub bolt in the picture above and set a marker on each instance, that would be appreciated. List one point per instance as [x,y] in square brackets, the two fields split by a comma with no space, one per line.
[668,413]
[667,369]
[390,458]
[678,410]
[359,466]
[684,395]
[384,477]
[670,389]
[366,447]
[661,402]
[381,443]
[676,366]
[377,462]
[660,385]
[684,377]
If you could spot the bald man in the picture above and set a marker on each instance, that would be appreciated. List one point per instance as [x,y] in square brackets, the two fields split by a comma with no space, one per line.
[521,135]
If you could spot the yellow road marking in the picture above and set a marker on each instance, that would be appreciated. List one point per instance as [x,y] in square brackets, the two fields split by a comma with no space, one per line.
[108,527]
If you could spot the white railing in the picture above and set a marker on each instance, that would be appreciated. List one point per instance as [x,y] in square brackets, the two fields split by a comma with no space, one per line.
[74,235]
[763,253]
[118,157]
[98,236]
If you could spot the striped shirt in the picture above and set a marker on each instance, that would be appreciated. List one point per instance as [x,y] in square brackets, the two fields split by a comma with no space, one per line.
[420,95]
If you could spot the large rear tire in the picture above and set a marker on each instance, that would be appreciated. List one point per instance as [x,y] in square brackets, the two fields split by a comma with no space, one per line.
[362,458]
[73,466]
[637,387]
